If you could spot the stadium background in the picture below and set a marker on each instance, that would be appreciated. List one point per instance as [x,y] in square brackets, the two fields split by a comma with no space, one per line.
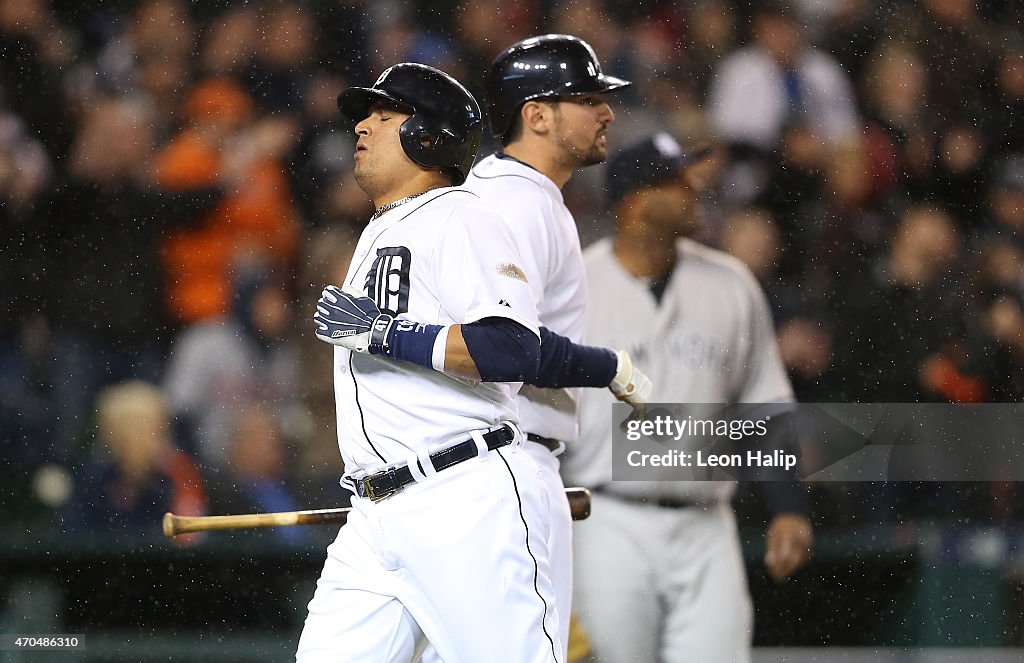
[175,185]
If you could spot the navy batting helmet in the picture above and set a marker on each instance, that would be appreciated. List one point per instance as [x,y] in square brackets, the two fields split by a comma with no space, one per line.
[538,67]
[446,123]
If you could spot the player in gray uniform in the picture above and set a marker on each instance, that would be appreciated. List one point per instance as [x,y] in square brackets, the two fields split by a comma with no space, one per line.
[547,103]
[659,570]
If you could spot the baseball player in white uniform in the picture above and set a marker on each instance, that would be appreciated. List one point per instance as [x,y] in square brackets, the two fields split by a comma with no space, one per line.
[659,571]
[546,101]
[435,325]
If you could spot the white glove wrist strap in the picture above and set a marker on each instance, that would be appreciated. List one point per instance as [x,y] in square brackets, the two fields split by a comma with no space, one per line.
[440,345]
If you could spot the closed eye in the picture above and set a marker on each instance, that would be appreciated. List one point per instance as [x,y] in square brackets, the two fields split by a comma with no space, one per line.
[384,111]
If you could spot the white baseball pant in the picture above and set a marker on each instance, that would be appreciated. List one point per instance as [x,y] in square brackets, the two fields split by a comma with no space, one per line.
[457,559]
[559,534]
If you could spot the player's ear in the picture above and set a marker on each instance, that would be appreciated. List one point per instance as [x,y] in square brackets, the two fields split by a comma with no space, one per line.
[536,116]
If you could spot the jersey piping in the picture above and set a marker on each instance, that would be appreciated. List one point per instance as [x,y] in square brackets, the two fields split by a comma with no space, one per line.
[359,406]
[384,228]
[494,177]
[536,566]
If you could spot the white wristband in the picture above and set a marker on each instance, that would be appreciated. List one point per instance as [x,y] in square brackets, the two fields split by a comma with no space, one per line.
[440,345]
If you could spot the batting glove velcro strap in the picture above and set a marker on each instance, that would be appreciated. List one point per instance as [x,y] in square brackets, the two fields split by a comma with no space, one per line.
[381,334]
[351,321]
[630,384]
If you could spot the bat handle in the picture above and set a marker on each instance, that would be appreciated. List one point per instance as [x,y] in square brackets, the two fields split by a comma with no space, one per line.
[170,525]
[579,502]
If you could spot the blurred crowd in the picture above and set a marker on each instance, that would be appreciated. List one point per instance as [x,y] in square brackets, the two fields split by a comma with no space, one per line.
[175,190]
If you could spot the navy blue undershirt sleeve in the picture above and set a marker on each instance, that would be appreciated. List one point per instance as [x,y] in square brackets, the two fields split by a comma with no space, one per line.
[781,487]
[567,364]
[502,349]
[785,497]
[505,351]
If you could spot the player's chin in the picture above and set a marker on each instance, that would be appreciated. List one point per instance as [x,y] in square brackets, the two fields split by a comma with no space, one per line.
[363,174]
[595,155]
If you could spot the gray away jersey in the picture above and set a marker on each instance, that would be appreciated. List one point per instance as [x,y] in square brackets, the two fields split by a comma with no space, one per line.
[709,340]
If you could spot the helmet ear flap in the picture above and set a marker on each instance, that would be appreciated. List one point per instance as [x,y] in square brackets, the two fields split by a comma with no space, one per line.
[437,138]
[411,136]
[438,151]
[423,143]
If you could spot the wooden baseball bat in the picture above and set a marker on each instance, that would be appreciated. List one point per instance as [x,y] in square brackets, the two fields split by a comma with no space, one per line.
[579,505]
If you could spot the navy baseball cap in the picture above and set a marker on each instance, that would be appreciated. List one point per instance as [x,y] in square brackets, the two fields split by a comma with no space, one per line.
[648,162]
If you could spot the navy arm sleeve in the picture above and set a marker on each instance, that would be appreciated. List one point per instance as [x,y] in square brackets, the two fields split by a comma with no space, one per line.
[785,497]
[505,351]
[781,487]
[567,364]
[502,349]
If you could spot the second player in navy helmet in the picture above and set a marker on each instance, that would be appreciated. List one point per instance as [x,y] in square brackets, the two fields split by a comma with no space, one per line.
[545,66]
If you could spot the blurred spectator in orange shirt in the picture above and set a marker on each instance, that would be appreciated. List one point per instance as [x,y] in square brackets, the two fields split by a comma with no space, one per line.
[222,142]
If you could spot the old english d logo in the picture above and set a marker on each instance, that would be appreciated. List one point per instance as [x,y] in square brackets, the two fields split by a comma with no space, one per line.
[387,282]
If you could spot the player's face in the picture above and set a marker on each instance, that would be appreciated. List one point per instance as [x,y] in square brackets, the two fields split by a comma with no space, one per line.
[671,209]
[581,125]
[380,161]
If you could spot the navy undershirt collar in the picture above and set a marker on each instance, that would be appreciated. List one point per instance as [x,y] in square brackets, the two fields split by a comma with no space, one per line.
[502,155]
[658,286]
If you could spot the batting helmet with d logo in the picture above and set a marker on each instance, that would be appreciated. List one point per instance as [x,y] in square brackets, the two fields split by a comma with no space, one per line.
[446,123]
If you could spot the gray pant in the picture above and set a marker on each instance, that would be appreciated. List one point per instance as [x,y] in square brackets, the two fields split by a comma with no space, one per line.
[662,585]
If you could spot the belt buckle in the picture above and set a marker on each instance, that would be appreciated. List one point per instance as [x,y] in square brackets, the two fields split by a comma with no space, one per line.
[372,493]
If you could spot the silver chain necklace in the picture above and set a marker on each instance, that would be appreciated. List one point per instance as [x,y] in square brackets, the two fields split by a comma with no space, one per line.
[393,205]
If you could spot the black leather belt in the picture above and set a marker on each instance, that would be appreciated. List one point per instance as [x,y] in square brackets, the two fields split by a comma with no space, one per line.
[552,445]
[390,481]
[664,502]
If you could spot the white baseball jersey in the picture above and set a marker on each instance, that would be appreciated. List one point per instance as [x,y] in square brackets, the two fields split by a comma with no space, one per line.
[532,207]
[462,546]
[440,258]
[549,245]
[709,340]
